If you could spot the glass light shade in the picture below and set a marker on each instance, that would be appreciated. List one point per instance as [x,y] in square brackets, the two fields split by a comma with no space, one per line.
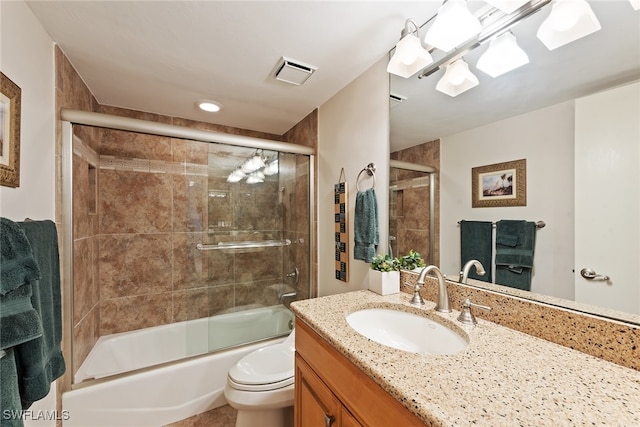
[409,57]
[271,168]
[568,21]
[635,4]
[507,6]
[255,178]
[453,26]
[253,164]
[503,55]
[457,79]
[236,176]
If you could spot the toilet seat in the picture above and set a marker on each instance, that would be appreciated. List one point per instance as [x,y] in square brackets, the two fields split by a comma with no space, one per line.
[268,368]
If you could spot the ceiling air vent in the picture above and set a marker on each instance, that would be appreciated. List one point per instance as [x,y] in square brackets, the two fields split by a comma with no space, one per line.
[396,99]
[294,72]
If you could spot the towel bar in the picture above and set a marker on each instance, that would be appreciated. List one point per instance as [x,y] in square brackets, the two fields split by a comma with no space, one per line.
[539,224]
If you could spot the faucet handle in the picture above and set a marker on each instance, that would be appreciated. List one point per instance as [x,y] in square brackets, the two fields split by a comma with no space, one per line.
[466,317]
[417,298]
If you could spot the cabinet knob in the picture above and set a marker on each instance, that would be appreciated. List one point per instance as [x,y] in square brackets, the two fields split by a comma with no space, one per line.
[328,420]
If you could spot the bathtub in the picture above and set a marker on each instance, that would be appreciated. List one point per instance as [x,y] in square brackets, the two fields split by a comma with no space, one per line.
[170,392]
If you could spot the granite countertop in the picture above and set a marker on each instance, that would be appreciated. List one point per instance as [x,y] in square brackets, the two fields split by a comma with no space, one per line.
[504,377]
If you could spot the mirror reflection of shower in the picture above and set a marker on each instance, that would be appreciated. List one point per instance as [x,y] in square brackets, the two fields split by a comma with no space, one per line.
[412,210]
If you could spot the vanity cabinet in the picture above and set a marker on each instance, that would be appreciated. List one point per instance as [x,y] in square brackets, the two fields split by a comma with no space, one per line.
[330,391]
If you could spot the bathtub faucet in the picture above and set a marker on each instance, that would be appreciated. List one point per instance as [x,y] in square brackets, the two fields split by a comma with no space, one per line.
[287,295]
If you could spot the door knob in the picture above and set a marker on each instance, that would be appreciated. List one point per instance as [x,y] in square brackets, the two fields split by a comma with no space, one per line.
[590,274]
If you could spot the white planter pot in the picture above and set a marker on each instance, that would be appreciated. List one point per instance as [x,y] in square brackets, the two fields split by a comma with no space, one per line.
[384,283]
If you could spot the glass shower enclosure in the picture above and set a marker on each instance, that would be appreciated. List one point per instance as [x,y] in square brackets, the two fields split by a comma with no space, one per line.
[191,241]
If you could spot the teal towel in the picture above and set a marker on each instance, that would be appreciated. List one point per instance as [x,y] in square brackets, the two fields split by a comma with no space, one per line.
[40,361]
[515,248]
[514,277]
[9,396]
[475,243]
[365,225]
[19,322]
[515,243]
[16,258]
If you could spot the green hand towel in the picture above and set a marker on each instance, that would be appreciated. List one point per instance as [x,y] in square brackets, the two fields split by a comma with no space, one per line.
[19,322]
[365,225]
[9,397]
[17,265]
[515,245]
[475,243]
[40,361]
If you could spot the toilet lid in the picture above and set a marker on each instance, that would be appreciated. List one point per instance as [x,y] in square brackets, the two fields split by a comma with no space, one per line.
[267,365]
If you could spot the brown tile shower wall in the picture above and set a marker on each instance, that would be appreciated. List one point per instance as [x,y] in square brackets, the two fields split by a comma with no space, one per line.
[410,207]
[152,211]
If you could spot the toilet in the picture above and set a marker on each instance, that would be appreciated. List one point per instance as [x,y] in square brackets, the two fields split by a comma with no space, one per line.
[260,386]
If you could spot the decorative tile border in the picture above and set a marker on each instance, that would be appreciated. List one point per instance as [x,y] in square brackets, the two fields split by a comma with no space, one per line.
[82,150]
[152,166]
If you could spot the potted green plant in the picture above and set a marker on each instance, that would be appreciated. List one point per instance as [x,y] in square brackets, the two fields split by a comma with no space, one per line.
[384,277]
[411,261]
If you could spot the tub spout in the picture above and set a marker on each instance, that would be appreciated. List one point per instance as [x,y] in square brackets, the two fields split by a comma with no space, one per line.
[287,295]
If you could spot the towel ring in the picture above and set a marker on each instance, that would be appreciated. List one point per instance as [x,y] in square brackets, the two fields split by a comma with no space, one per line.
[371,171]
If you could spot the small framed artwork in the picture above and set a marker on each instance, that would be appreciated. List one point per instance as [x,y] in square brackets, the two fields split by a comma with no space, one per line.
[500,184]
[9,132]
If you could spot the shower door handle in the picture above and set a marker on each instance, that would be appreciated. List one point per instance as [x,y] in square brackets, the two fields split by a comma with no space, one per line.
[590,274]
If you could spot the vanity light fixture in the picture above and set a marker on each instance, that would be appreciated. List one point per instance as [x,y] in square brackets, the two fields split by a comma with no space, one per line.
[503,55]
[209,106]
[410,56]
[453,26]
[569,20]
[507,6]
[457,79]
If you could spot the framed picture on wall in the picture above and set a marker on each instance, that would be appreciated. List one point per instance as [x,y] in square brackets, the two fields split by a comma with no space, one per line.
[10,95]
[500,184]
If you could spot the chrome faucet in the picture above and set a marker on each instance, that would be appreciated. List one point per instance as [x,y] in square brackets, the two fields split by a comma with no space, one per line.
[442,304]
[464,274]
[287,295]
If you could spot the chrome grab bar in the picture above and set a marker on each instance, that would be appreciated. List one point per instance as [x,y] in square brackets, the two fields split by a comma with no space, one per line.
[244,245]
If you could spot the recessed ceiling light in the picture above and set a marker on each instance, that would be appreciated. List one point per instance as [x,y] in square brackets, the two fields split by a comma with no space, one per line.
[209,106]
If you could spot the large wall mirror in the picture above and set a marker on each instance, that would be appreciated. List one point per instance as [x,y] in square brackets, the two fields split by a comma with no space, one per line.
[541,112]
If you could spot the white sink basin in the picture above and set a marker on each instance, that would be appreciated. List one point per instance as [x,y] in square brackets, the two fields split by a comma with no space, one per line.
[406,331]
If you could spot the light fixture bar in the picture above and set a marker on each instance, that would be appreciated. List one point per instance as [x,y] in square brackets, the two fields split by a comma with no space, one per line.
[498,27]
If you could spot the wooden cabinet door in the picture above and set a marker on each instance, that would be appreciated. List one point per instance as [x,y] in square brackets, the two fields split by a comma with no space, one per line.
[315,405]
[348,420]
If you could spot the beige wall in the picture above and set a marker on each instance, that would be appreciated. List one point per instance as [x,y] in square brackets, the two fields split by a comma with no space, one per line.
[26,58]
[353,131]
